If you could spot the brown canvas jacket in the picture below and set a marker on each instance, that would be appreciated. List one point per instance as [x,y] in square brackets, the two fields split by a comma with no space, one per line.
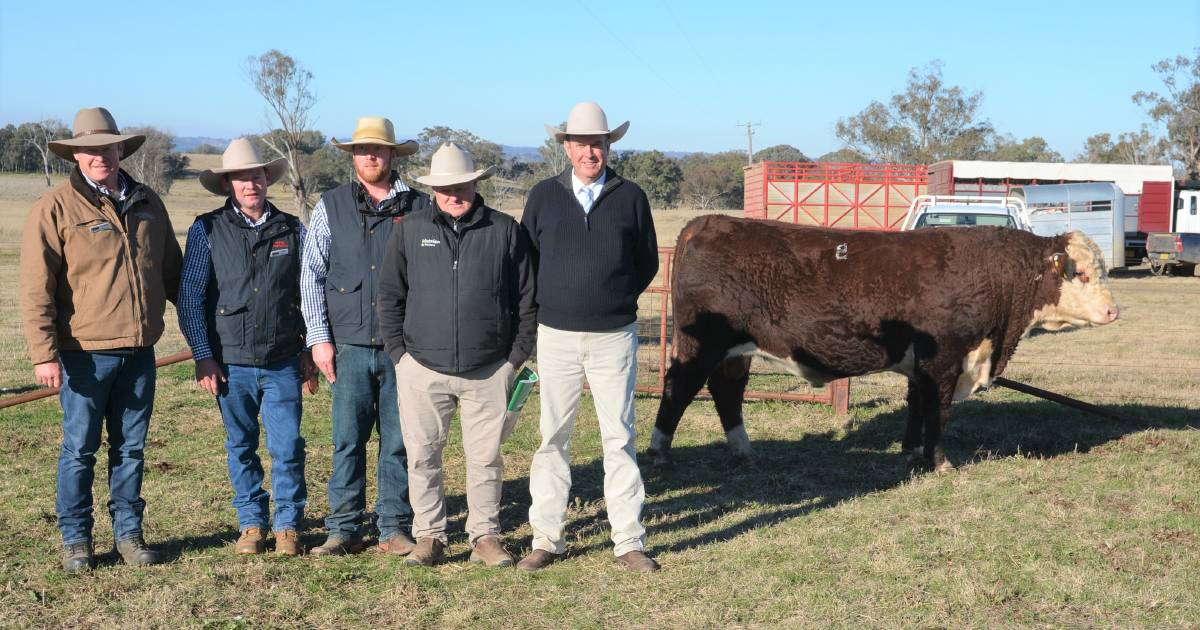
[94,278]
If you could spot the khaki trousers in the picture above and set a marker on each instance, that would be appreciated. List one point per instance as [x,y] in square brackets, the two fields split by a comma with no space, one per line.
[427,400]
[608,360]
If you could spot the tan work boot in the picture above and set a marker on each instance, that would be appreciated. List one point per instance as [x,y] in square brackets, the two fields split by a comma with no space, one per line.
[428,552]
[336,545]
[537,560]
[398,544]
[637,561]
[287,543]
[251,542]
[491,552]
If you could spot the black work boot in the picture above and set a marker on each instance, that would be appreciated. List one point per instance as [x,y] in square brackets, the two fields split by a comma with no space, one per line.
[78,557]
[135,553]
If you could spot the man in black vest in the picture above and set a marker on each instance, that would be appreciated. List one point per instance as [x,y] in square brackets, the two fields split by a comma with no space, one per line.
[457,314]
[239,308]
[348,232]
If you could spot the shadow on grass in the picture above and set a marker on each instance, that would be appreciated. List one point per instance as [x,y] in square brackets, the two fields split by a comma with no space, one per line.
[790,478]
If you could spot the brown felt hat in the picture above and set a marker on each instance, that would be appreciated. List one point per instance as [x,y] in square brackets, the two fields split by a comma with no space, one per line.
[95,127]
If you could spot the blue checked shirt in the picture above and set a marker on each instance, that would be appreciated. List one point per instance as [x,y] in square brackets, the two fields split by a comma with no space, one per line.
[314,267]
[193,284]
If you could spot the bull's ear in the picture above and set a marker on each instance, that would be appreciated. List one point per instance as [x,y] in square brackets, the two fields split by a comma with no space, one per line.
[1064,265]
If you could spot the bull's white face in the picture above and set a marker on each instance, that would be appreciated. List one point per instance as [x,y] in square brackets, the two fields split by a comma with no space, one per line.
[1085,299]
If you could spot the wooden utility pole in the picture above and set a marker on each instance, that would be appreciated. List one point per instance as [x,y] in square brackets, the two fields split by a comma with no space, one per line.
[749,140]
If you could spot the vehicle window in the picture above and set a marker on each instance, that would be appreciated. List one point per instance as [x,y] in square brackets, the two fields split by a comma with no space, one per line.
[946,219]
[1192,210]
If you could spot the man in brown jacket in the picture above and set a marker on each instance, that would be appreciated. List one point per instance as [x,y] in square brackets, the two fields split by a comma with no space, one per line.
[99,259]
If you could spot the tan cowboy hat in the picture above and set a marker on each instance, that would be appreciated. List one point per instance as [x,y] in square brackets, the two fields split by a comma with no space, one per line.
[95,127]
[587,119]
[376,130]
[452,165]
[240,155]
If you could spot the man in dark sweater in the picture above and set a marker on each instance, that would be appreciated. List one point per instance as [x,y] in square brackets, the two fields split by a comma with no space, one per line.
[597,252]
[457,314]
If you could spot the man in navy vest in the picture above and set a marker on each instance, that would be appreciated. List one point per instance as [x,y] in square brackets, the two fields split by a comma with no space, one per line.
[348,232]
[239,308]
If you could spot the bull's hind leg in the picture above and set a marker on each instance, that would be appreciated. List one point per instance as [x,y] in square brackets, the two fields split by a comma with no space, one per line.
[727,384]
[683,380]
[936,408]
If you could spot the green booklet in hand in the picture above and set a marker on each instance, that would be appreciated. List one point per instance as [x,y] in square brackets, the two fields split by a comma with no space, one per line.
[522,388]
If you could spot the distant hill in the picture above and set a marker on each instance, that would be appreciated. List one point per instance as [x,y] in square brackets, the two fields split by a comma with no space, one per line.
[188,144]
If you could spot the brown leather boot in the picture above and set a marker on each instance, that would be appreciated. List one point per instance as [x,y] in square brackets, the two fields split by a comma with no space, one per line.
[491,552]
[428,552]
[251,542]
[287,543]
[537,560]
[637,561]
[398,544]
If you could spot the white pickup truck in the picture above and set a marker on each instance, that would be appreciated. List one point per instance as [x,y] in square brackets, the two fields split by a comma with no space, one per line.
[928,211]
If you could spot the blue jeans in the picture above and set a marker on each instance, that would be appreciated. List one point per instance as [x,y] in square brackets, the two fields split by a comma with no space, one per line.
[364,398]
[114,391]
[273,390]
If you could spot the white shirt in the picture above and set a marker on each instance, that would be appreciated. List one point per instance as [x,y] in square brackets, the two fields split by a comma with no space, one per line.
[587,193]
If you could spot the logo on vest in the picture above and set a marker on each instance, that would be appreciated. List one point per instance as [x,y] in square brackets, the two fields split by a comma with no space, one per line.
[430,242]
[279,248]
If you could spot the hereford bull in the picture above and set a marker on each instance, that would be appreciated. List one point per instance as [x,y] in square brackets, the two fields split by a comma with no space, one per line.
[944,307]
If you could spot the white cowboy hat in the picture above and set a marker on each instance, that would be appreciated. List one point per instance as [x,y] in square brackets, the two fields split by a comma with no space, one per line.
[587,119]
[452,165]
[240,155]
[376,130]
[95,127]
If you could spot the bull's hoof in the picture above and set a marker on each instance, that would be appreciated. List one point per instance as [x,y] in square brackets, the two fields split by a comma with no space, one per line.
[659,457]
[943,467]
[739,444]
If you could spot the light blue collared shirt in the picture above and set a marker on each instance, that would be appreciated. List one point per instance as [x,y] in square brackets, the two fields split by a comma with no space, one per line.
[587,193]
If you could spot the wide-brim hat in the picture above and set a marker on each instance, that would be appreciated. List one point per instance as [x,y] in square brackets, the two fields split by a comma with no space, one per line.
[240,155]
[95,127]
[588,119]
[452,165]
[376,130]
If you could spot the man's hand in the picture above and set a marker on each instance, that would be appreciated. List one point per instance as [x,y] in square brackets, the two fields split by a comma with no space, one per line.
[209,376]
[322,355]
[48,374]
[308,372]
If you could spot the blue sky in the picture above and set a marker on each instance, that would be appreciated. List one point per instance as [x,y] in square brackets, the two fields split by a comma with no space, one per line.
[684,73]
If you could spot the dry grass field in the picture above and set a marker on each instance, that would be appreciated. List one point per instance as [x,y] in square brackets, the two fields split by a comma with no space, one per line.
[1053,517]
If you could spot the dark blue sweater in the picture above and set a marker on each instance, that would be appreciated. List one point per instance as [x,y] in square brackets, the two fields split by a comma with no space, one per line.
[591,267]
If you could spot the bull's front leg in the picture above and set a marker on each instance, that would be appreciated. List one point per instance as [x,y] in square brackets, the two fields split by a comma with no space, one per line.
[681,384]
[727,384]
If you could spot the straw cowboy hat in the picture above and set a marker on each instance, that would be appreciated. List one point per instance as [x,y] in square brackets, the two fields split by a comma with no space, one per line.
[452,165]
[587,119]
[95,127]
[240,155]
[376,130]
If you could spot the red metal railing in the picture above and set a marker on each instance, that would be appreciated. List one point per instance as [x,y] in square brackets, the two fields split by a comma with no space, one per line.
[847,196]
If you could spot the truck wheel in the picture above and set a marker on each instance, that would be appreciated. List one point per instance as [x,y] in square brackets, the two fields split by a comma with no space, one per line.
[1186,271]
[1158,268]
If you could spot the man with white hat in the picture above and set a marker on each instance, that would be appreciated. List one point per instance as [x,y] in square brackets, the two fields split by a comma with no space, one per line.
[99,260]
[597,251]
[348,232]
[457,313]
[239,309]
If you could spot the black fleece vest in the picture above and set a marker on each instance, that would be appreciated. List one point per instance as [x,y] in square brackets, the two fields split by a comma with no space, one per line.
[254,289]
[358,236]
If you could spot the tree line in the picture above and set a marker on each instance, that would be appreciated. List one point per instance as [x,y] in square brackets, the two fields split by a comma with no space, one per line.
[927,122]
